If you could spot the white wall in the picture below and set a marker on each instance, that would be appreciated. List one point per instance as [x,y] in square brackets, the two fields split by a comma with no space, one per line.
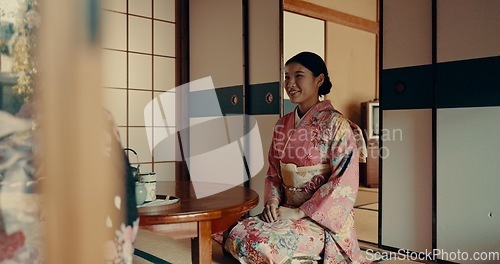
[351,58]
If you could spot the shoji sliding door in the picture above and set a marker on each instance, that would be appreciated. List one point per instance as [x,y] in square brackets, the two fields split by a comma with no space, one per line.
[440,87]
[406,103]
[238,45]
[468,115]
[262,95]
[214,152]
[138,58]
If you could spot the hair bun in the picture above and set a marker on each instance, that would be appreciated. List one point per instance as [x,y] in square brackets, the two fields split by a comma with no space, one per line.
[326,86]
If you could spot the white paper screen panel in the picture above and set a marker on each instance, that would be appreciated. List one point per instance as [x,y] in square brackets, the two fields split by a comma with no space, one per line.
[265,67]
[266,126]
[138,61]
[302,33]
[468,215]
[264,41]
[407,33]
[467,29]
[407,179]
[216,41]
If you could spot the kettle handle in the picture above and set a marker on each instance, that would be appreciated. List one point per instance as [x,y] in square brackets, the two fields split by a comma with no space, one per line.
[131,150]
[137,169]
[136,156]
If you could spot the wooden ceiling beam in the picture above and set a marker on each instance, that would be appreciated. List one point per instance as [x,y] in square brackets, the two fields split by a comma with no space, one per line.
[330,15]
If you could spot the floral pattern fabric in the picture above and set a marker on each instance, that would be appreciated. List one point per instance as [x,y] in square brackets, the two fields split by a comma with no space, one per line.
[300,183]
[256,241]
[21,217]
[121,248]
[323,136]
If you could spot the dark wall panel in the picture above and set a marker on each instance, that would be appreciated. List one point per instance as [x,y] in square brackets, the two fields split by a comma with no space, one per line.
[264,98]
[469,83]
[406,88]
[229,101]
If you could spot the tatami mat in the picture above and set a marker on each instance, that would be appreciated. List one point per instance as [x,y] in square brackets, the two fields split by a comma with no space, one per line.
[373,207]
[366,196]
[366,223]
[175,251]
[366,189]
[163,247]
[179,251]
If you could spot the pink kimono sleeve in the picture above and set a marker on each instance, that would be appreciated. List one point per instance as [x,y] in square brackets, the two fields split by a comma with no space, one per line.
[273,189]
[332,203]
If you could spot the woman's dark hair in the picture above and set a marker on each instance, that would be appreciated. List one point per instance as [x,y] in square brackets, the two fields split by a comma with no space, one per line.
[316,65]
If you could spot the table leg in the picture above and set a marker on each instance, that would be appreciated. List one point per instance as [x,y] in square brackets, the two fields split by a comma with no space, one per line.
[201,246]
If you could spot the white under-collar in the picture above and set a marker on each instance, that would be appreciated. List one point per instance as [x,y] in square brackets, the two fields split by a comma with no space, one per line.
[297,118]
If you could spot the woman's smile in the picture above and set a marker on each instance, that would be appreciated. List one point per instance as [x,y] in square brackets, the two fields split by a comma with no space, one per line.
[293,92]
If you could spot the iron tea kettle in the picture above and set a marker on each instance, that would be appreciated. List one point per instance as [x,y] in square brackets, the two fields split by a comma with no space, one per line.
[135,170]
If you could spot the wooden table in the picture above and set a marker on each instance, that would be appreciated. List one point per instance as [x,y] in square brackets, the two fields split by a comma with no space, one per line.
[199,217]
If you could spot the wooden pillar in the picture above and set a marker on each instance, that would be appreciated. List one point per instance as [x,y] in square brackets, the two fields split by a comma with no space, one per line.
[77,182]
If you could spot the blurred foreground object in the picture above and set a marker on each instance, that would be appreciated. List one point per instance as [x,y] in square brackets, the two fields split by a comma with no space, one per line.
[20,217]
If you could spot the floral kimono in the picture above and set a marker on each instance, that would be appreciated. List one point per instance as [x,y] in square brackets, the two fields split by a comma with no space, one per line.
[21,217]
[121,248]
[313,164]
[20,225]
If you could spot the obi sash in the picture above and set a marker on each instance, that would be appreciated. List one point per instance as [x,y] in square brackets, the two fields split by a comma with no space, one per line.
[300,183]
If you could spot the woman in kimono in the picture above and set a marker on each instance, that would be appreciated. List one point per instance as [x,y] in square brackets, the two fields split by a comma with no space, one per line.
[21,218]
[312,180]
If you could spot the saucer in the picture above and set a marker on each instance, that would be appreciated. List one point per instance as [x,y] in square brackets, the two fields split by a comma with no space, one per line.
[162,203]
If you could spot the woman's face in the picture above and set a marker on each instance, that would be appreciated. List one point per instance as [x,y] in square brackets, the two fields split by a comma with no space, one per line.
[301,85]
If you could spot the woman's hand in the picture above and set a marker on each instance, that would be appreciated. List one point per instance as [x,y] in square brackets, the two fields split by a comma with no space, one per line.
[269,214]
[285,213]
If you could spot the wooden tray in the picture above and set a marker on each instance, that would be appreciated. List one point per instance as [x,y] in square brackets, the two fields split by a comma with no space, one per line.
[149,207]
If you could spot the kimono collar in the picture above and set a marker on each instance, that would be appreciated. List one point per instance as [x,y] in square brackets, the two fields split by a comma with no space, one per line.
[297,118]
[326,105]
[320,106]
